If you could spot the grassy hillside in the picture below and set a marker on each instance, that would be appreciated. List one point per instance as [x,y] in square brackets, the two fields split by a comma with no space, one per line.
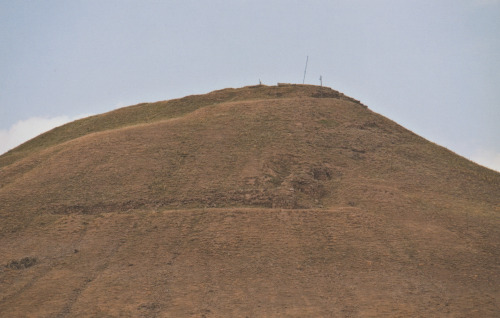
[292,201]
[151,112]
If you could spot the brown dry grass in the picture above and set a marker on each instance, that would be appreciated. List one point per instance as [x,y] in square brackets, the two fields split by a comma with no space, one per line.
[291,201]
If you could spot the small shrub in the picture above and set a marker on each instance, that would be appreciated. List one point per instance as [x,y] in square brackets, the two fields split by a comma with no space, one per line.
[22,263]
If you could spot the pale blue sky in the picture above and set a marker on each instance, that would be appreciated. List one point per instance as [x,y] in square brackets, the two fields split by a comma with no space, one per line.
[432,66]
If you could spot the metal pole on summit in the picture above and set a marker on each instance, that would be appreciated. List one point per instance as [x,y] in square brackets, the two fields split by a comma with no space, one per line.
[321,86]
[305,70]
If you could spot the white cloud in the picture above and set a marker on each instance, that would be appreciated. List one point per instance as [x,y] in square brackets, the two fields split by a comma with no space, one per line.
[27,129]
[487,158]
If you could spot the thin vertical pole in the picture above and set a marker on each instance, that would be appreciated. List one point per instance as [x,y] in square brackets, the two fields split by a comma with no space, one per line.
[305,70]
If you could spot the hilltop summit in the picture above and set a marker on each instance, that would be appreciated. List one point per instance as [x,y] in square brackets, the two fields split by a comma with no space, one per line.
[288,200]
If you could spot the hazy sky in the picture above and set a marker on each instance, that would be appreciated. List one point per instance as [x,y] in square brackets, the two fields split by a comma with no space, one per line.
[433,66]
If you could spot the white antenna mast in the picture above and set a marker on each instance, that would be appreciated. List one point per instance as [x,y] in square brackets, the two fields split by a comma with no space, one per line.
[305,70]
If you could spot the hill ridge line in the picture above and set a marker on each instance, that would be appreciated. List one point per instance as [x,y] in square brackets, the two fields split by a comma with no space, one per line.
[148,111]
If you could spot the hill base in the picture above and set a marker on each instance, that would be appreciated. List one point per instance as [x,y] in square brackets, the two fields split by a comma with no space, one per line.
[338,262]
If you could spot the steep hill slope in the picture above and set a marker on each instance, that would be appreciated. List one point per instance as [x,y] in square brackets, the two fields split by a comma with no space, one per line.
[289,201]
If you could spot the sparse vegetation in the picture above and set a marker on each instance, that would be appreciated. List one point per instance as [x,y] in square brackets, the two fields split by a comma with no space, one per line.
[260,202]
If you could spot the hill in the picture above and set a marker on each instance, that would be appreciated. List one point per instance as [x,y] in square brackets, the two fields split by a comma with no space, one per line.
[291,200]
